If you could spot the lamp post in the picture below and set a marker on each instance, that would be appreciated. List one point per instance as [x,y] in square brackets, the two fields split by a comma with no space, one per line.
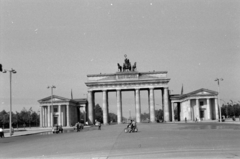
[10,114]
[51,99]
[219,108]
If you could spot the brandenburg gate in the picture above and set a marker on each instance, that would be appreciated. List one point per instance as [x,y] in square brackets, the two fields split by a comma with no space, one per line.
[128,79]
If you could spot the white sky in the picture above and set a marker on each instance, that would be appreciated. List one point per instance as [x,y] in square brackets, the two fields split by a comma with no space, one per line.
[59,42]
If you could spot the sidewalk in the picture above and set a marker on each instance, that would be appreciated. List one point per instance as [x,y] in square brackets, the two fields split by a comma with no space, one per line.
[29,131]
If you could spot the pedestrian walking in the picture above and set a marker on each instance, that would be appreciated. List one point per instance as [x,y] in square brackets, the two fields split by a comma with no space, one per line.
[98,124]
[196,120]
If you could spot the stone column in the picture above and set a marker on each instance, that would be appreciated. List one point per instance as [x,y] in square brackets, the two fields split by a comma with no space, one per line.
[119,106]
[79,112]
[41,116]
[107,107]
[182,112]
[166,105]
[49,116]
[90,108]
[52,116]
[68,121]
[138,107]
[152,106]
[84,113]
[197,109]
[45,117]
[172,108]
[216,109]
[105,111]
[149,104]
[59,115]
[208,109]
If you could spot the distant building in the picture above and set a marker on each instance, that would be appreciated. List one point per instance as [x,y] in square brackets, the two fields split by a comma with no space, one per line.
[61,111]
[200,104]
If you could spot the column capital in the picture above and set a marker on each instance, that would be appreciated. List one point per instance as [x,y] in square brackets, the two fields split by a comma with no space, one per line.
[151,88]
[137,89]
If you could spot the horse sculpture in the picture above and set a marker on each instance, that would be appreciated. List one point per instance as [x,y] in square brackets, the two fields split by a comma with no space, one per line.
[119,68]
[134,66]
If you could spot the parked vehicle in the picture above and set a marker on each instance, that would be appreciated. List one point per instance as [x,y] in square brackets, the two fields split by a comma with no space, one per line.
[57,129]
[78,126]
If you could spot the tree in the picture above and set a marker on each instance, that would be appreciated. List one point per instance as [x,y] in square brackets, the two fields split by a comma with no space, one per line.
[98,113]
[24,116]
[159,115]
[4,118]
[112,117]
[145,116]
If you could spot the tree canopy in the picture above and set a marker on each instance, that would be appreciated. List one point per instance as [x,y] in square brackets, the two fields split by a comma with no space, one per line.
[27,117]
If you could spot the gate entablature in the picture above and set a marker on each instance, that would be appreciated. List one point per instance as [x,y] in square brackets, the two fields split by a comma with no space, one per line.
[127,80]
[127,76]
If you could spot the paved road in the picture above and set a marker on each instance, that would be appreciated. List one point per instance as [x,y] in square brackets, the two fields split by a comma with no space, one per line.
[190,140]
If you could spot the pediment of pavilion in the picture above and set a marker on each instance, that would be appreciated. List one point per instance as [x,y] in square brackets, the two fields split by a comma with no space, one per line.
[54,99]
[200,93]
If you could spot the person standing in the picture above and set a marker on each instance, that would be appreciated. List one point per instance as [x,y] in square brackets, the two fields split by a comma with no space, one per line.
[1,132]
[78,126]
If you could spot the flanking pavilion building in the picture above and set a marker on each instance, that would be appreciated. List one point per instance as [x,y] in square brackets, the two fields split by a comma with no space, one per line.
[200,104]
[61,111]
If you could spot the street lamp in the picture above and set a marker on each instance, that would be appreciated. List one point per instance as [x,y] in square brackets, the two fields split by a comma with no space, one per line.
[219,108]
[51,97]
[10,114]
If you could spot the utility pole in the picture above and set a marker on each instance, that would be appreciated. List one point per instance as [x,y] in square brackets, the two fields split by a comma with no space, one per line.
[10,114]
[219,105]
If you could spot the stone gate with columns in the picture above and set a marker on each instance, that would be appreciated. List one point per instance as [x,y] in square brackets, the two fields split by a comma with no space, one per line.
[129,81]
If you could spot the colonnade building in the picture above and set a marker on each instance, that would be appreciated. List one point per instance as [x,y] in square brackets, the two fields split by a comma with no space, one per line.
[56,110]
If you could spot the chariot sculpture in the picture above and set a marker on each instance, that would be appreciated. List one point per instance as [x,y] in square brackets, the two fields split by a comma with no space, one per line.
[127,66]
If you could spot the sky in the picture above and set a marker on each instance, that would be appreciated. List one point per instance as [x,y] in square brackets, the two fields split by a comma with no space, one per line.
[60,42]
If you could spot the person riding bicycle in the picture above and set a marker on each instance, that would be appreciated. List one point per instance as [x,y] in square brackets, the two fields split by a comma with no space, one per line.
[131,125]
